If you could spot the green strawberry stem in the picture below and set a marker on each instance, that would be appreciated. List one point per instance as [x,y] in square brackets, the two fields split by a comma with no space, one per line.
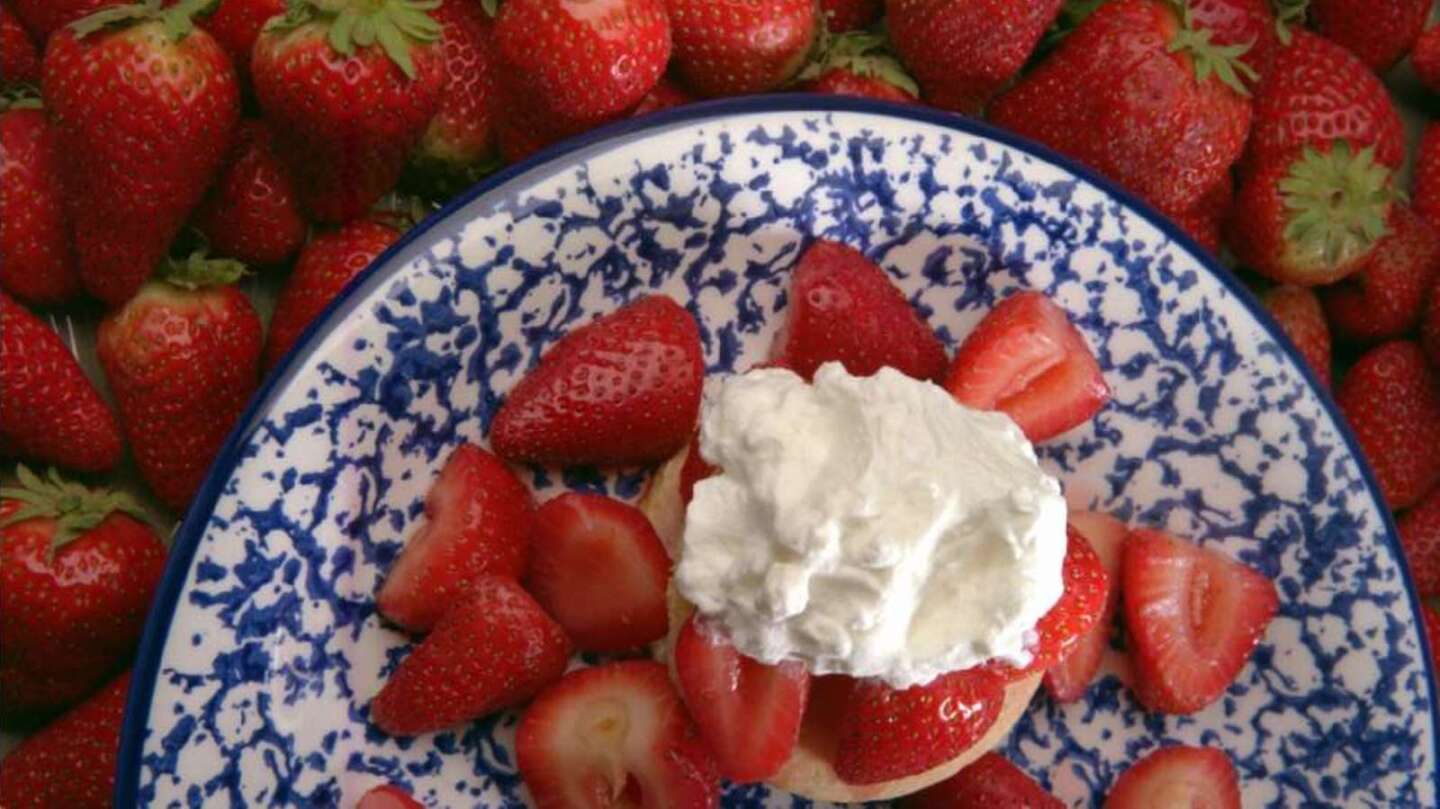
[1288,14]
[178,20]
[401,211]
[1224,61]
[863,53]
[20,97]
[75,508]
[201,270]
[395,25]
[1339,203]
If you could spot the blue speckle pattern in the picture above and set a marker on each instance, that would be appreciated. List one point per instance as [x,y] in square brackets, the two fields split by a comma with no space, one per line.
[275,650]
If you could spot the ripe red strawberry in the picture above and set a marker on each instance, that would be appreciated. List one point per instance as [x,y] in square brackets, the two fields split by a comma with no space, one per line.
[844,308]
[323,269]
[252,212]
[749,713]
[1141,95]
[1200,777]
[495,648]
[1431,619]
[1249,23]
[612,735]
[77,571]
[848,83]
[19,58]
[1420,536]
[964,51]
[1379,33]
[850,15]
[735,47]
[44,17]
[1204,221]
[1425,58]
[1391,398]
[347,114]
[478,521]
[1194,615]
[1027,360]
[1386,296]
[388,796]
[664,95]
[36,263]
[182,364]
[236,25]
[1070,677]
[991,782]
[1425,194]
[1313,217]
[71,763]
[598,567]
[1297,310]
[623,389]
[52,412]
[459,146]
[1430,326]
[859,64]
[149,78]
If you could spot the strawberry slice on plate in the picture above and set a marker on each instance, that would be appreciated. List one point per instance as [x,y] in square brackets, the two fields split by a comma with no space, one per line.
[749,713]
[388,796]
[1027,360]
[1180,777]
[991,782]
[614,735]
[1070,678]
[1194,615]
[598,567]
[478,519]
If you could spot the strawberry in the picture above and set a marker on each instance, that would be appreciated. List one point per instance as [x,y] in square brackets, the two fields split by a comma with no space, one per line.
[478,520]
[495,648]
[1203,221]
[236,24]
[964,51]
[44,17]
[182,364]
[694,470]
[459,147]
[1297,310]
[844,308]
[1385,297]
[1379,33]
[664,95]
[600,570]
[749,713]
[252,212]
[1318,92]
[1425,193]
[1431,619]
[388,796]
[1430,326]
[1027,360]
[887,733]
[1392,400]
[849,83]
[571,67]
[1313,217]
[347,112]
[325,266]
[1197,777]
[1194,615]
[736,47]
[71,763]
[1249,23]
[36,263]
[52,412]
[1420,536]
[990,782]
[122,77]
[19,58]
[1140,93]
[858,64]
[1070,677]
[614,735]
[850,15]
[1425,58]
[77,570]
[623,389]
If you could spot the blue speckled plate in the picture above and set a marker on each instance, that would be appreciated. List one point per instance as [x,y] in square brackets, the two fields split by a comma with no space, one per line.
[265,648]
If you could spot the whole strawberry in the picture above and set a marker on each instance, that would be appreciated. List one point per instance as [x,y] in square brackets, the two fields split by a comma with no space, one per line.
[252,213]
[78,569]
[1205,219]
[19,58]
[182,363]
[664,95]
[144,106]
[1425,193]
[1425,58]
[71,763]
[459,145]
[850,15]
[1300,316]
[1420,536]
[36,264]
[51,413]
[44,17]
[1391,397]
[1377,32]
[859,64]
[1385,297]
[236,24]
[348,89]
[734,47]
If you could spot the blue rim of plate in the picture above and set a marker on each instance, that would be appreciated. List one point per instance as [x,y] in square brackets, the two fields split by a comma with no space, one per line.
[197,517]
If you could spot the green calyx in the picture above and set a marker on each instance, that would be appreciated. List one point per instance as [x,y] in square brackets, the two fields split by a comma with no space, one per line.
[863,53]
[491,7]
[1339,203]
[75,508]
[178,19]
[199,269]
[1225,62]
[19,97]
[401,211]
[395,25]
[1289,14]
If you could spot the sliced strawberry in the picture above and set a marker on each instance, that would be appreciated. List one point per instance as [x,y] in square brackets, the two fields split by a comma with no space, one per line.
[611,736]
[478,519]
[1070,678]
[694,470]
[388,796]
[844,308]
[1028,361]
[889,733]
[991,782]
[495,649]
[1194,615]
[1420,537]
[748,712]
[1190,777]
[599,569]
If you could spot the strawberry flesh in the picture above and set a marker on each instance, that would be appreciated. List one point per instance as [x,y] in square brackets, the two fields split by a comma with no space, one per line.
[990,782]
[1192,777]
[1070,677]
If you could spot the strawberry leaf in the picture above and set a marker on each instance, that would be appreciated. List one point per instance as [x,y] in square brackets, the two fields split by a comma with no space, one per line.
[74,508]
[396,26]
[200,270]
[1339,203]
[1225,62]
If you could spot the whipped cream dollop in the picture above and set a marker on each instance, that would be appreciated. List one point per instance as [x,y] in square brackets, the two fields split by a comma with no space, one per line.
[869,526]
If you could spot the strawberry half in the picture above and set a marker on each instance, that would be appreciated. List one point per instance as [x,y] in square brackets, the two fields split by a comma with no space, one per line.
[478,518]
[388,796]
[1194,615]
[1070,678]
[615,735]
[749,713]
[1027,360]
[495,649]
[844,308]
[1194,777]
[991,782]
[599,569]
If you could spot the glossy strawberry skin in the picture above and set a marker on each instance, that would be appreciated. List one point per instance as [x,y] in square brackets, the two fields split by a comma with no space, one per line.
[1378,33]
[1420,537]
[52,412]
[736,47]
[71,763]
[846,83]
[462,136]
[1391,397]
[1241,22]
[236,25]
[36,263]
[1298,311]
[990,782]
[19,58]
[44,17]
[664,95]
[110,92]
[182,365]
[252,213]
[1385,297]
[1070,677]
[1081,606]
